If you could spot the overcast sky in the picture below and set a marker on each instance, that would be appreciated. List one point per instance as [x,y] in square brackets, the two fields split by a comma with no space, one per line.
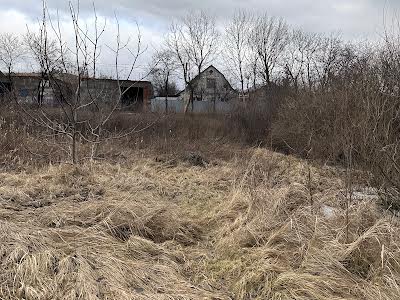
[354,19]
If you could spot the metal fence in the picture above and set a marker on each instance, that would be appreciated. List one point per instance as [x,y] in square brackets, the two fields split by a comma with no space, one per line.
[175,105]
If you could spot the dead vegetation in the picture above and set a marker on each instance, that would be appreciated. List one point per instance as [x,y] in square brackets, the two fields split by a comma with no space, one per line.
[104,232]
[272,244]
[238,228]
[185,209]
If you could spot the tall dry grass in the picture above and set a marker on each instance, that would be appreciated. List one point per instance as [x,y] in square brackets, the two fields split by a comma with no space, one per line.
[143,221]
[100,231]
[271,242]
[241,228]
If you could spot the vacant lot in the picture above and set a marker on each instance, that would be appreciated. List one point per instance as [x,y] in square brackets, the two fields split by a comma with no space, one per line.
[252,225]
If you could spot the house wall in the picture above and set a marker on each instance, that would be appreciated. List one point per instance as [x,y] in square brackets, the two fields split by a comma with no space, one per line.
[105,90]
[26,90]
[210,85]
[108,91]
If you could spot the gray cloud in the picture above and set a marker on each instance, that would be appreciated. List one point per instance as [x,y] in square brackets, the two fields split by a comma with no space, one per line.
[354,18]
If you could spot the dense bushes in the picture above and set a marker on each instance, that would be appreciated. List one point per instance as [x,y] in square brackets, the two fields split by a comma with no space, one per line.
[355,119]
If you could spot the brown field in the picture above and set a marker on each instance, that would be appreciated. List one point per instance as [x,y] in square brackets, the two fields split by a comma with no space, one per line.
[289,190]
[159,222]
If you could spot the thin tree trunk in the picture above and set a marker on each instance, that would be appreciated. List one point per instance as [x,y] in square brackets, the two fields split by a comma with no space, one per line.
[75,139]
[190,99]
[74,148]
[166,96]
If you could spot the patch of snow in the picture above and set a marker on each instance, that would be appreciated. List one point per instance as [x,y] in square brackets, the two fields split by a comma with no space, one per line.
[328,211]
[365,193]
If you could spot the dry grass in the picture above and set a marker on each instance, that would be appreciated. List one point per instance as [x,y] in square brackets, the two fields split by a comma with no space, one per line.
[146,228]
[273,244]
[100,231]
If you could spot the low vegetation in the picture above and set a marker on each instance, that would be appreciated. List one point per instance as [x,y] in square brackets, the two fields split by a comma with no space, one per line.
[166,221]
[293,195]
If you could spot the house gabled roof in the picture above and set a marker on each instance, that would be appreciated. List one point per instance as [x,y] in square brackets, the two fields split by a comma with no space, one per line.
[204,71]
[211,66]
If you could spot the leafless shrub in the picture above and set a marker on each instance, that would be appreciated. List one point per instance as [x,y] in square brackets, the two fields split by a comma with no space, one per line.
[355,106]
[71,72]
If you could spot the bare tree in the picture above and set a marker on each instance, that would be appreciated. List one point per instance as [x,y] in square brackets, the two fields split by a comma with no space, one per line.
[236,48]
[46,52]
[269,38]
[46,55]
[300,57]
[194,42]
[176,45]
[253,62]
[164,67]
[327,58]
[86,104]
[200,37]
[38,44]
[11,51]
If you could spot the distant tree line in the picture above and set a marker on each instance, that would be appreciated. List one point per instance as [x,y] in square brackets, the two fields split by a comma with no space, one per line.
[256,49]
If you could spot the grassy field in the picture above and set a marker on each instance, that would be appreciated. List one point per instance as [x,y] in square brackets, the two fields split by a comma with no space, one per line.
[249,224]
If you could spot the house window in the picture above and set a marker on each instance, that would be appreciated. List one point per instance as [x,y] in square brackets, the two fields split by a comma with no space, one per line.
[211,83]
[23,93]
